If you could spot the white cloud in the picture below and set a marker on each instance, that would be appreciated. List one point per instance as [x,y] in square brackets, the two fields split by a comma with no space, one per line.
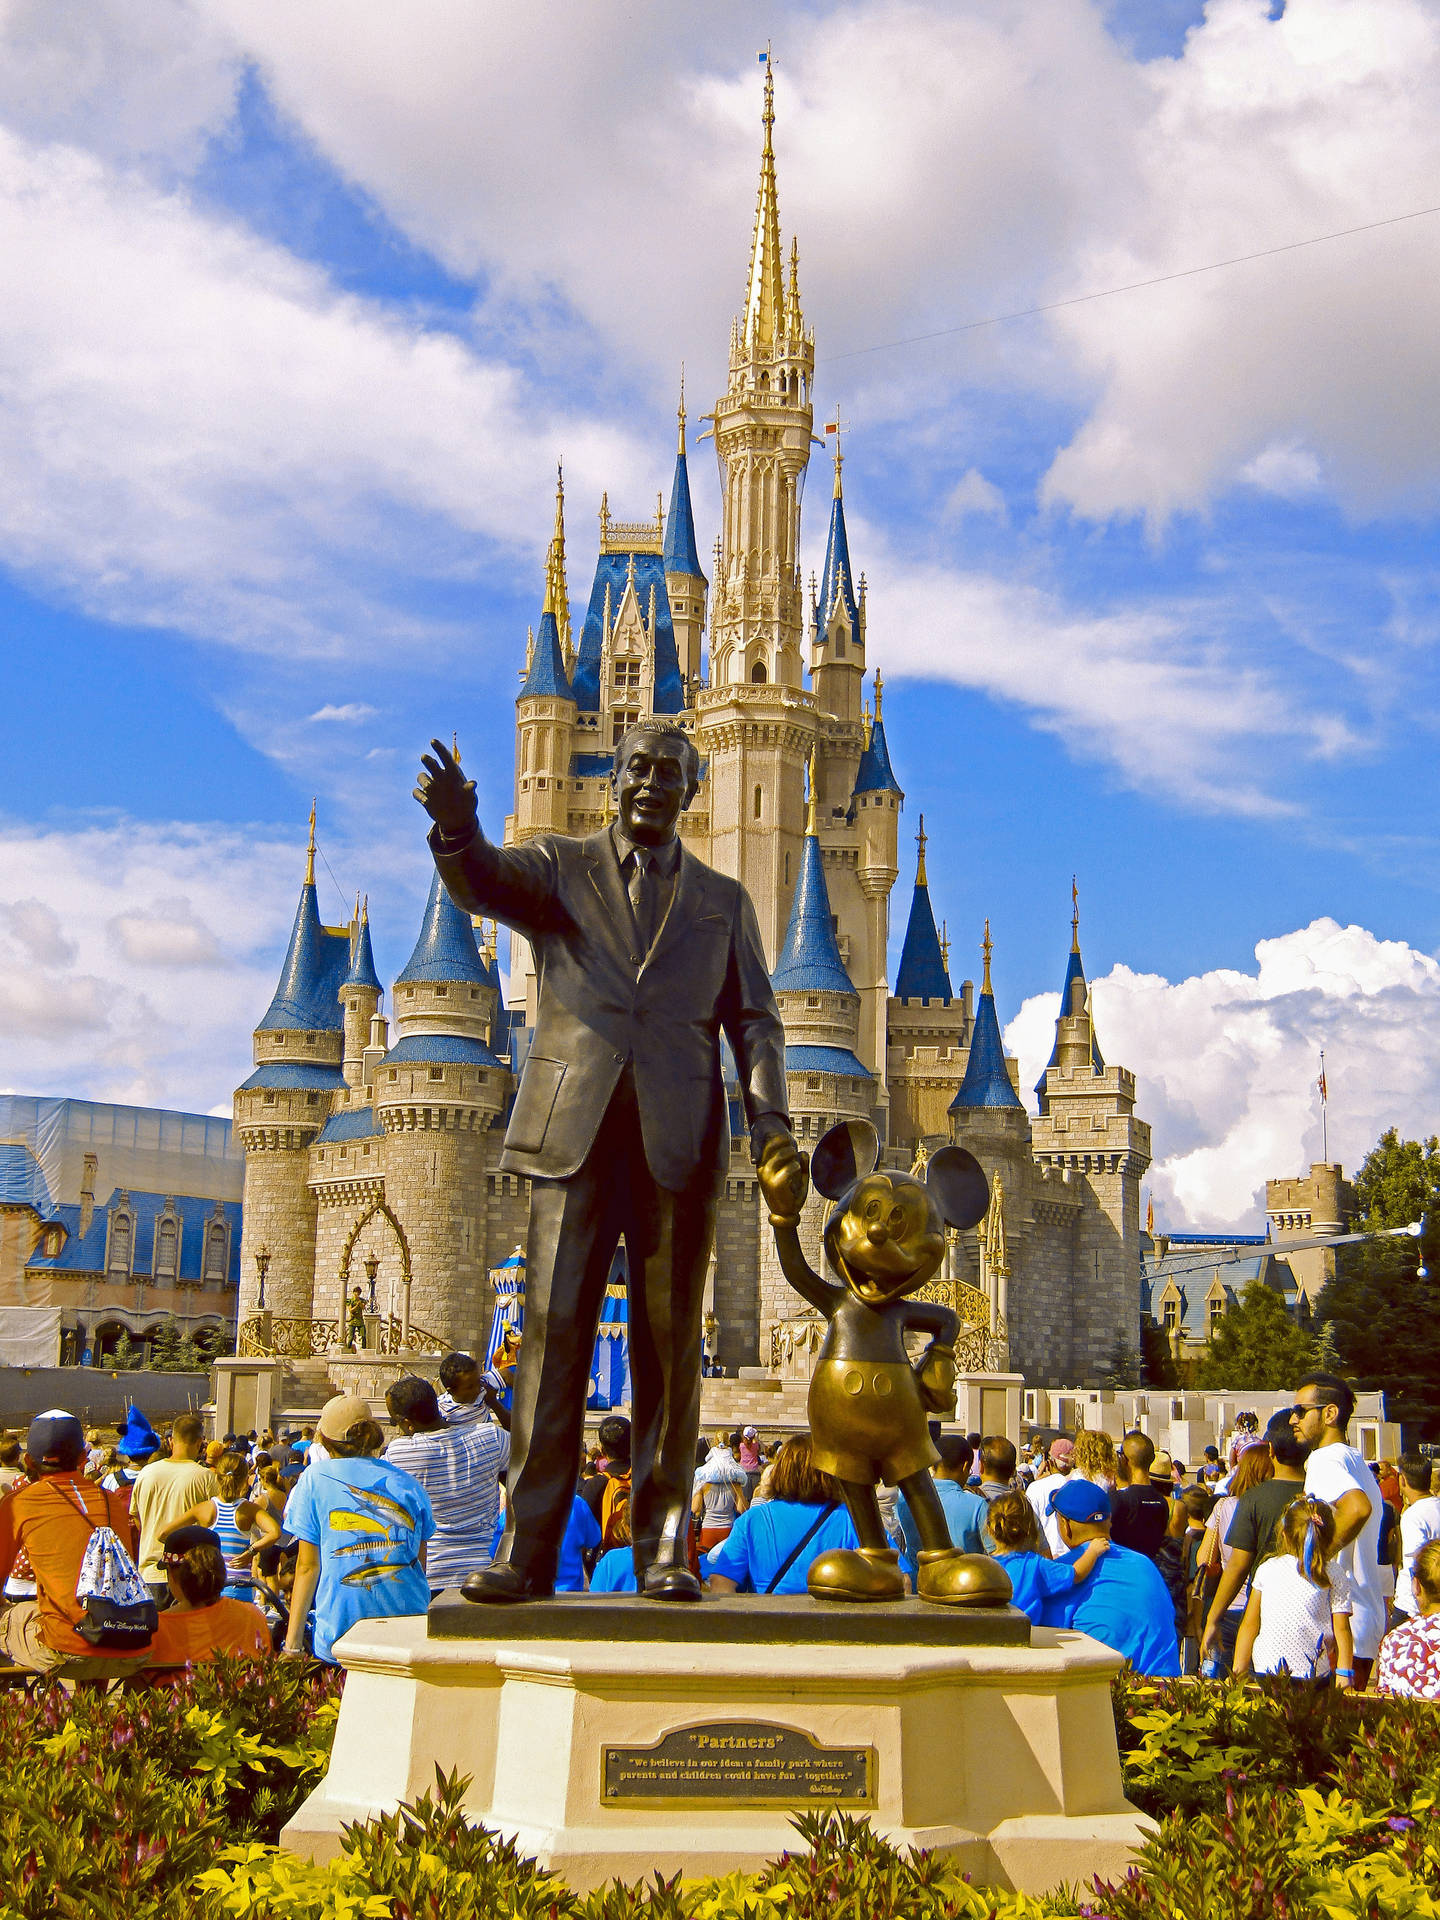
[131,996]
[1227,1063]
[199,431]
[351,714]
[1289,470]
[1266,132]
[973,493]
[1156,693]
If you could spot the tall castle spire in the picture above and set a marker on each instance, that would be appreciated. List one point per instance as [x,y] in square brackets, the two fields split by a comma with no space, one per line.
[923,973]
[765,297]
[987,1078]
[1074,1004]
[557,593]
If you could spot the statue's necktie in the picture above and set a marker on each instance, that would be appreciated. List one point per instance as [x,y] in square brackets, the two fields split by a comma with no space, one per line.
[642,897]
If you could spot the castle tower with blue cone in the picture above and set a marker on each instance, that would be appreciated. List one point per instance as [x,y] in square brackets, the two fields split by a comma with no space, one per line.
[362,1149]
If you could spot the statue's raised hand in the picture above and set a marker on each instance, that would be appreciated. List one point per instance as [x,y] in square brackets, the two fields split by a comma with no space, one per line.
[444,792]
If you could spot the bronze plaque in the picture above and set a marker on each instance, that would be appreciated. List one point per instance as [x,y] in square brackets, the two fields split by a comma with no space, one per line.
[740,1762]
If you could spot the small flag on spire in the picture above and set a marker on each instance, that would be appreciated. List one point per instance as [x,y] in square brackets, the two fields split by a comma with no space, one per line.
[764,57]
[1150,1218]
[1321,1083]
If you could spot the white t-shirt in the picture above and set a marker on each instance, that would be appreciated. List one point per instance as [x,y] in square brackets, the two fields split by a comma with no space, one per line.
[1419,1523]
[1330,1473]
[1295,1618]
[1039,1497]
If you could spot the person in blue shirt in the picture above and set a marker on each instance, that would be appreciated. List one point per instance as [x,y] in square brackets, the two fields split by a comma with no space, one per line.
[362,1525]
[615,1569]
[582,1537]
[1034,1577]
[1124,1603]
[965,1512]
[803,1511]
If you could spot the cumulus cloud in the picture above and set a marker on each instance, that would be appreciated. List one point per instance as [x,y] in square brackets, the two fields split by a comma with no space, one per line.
[1227,1063]
[113,985]
[973,493]
[351,714]
[1267,131]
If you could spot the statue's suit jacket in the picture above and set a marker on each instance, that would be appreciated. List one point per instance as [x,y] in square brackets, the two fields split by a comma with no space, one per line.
[602,1002]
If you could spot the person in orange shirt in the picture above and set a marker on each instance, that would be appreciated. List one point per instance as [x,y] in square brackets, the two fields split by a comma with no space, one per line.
[51,1517]
[200,1622]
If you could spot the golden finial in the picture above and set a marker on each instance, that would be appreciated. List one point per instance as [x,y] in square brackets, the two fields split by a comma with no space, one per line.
[455,748]
[838,427]
[945,946]
[987,948]
[310,850]
[765,294]
[810,807]
[920,839]
[795,283]
[879,689]
[681,411]
[365,911]
[1074,916]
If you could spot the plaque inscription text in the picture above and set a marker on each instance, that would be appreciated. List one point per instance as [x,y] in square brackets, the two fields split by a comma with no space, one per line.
[735,1762]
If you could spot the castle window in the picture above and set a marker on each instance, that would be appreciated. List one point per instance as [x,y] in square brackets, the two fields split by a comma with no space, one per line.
[787,869]
[621,724]
[757,672]
[1217,1312]
[167,1247]
[839,643]
[812,999]
[474,993]
[812,1083]
[394,1073]
[312,1099]
[279,1039]
[269,1100]
[759,801]
[309,1039]
[122,1240]
[627,674]
[217,1250]
[437,1073]
[441,992]
[1172,1316]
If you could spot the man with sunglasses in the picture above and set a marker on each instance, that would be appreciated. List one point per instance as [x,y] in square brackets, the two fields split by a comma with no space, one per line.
[1337,1474]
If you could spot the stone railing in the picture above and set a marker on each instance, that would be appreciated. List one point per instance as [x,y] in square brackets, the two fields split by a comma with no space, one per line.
[391,1336]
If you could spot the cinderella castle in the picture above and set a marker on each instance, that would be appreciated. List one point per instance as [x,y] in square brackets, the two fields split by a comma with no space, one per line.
[371,1155]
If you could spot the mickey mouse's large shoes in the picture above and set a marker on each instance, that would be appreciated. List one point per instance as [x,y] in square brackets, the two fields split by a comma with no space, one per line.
[848,1573]
[957,1579]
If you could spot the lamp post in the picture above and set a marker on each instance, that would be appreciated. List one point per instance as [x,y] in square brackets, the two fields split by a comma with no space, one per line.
[372,1267]
[262,1267]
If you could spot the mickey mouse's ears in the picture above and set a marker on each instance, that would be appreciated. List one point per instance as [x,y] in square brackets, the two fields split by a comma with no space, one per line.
[846,1154]
[958,1183]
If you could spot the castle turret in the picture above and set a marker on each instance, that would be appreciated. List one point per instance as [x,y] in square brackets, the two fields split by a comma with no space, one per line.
[544,733]
[1087,1129]
[837,620]
[359,997]
[928,1025]
[825,1078]
[437,1091]
[987,1081]
[756,723]
[685,584]
[299,1047]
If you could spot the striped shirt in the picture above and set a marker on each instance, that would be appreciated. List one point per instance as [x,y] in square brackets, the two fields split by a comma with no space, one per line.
[455,1413]
[460,1468]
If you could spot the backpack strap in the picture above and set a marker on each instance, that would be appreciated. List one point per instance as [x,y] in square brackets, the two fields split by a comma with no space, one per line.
[801,1544]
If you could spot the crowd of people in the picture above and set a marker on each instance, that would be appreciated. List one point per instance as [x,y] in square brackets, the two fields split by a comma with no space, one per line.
[1283,1552]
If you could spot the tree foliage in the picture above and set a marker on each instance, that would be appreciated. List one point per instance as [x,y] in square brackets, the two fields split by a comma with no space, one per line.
[1256,1345]
[1377,1315]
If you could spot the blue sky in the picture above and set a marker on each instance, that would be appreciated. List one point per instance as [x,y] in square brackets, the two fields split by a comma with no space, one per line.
[298,312]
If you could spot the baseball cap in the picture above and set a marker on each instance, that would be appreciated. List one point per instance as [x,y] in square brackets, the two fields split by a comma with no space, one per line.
[184,1540]
[1080,1500]
[1062,1449]
[55,1439]
[339,1415]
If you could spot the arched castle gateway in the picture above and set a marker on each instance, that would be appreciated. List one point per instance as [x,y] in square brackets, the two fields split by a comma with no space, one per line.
[368,1150]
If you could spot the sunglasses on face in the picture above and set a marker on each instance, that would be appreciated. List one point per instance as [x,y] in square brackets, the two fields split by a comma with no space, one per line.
[1302,1407]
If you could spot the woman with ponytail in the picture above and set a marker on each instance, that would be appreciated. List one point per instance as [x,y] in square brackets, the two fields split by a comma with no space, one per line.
[1297,1620]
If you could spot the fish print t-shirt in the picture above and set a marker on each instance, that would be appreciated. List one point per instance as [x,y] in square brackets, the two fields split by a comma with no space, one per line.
[369,1520]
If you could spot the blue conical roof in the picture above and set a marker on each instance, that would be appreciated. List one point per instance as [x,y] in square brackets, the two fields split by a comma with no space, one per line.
[446,949]
[547,673]
[837,582]
[613,570]
[986,1082]
[1074,970]
[680,552]
[810,959]
[362,961]
[875,774]
[923,974]
[310,978]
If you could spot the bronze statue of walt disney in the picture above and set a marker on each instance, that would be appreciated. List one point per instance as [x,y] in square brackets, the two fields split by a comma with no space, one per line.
[869,1405]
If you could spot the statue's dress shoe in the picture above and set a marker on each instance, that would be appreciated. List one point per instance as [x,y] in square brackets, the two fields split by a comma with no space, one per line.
[957,1579]
[670,1583]
[501,1585]
[848,1573]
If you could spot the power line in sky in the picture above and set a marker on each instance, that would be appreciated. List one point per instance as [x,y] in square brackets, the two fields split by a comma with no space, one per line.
[1132,286]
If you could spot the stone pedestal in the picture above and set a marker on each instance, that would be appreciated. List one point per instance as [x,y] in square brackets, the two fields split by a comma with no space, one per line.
[988,1403]
[247,1393]
[688,1750]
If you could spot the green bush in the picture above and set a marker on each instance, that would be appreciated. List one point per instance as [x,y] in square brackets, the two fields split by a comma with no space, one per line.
[153,1805]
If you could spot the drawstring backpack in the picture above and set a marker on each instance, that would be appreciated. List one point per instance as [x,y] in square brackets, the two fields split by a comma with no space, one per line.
[119,1614]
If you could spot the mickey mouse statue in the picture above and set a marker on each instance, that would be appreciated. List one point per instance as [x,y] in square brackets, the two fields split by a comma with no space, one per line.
[868,1405]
